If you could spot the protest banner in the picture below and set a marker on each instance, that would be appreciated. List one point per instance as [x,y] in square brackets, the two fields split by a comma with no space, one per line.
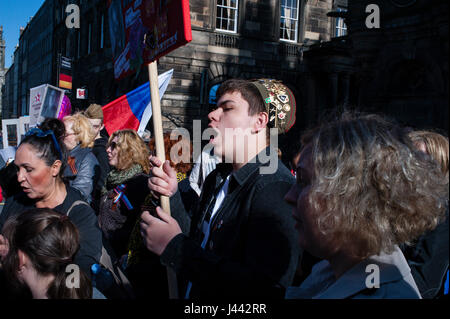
[45,102]
[37,95]
[24,126]
[11,134]
[52,103]
[145,30]
[142,31]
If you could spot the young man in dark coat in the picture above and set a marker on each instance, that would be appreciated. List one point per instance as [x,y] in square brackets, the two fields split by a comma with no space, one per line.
[95,115]
[241,240]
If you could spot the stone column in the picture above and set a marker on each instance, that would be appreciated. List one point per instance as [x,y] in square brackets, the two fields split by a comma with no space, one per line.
[333,89]
[346,88]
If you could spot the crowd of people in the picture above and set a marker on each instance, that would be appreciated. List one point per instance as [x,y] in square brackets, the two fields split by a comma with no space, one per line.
[360,210]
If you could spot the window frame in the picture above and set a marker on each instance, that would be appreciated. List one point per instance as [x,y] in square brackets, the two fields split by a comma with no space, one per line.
[340,21]
[297,25]
[236,17]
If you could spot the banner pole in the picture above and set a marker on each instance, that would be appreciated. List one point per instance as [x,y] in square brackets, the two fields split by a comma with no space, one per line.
[160,153]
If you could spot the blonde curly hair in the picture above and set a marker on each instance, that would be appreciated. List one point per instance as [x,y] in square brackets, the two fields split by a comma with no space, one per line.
[82,128]
[372,189]
[435,145]
[132,150]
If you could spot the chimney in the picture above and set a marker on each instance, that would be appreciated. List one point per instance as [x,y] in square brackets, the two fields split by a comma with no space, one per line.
[21,30]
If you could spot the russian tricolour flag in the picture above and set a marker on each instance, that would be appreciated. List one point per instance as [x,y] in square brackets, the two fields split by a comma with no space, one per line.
[133,110]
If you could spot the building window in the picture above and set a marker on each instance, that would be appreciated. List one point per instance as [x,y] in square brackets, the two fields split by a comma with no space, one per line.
[226,17]
[212,94]
[288,20]
[341,27]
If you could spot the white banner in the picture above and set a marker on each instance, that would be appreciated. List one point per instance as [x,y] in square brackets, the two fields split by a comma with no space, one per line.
[10,132]
[45,101]
[52,103]
[37,95]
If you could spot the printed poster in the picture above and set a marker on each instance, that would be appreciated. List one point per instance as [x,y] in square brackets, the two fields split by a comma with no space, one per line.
[144,30]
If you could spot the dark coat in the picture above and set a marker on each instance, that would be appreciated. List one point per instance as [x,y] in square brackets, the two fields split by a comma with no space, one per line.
[8,180]
[428,260]
[99,150]
[253,246]
[115,220]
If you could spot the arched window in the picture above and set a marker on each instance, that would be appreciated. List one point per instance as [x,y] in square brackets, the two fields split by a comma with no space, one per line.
[340,26]
[212,94]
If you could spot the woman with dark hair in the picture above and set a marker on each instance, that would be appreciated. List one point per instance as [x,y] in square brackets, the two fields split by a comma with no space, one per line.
[8,174]
[42,244]
[362,190]
[40,161]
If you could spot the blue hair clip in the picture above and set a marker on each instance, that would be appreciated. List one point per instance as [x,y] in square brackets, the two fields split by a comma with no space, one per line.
[39,133]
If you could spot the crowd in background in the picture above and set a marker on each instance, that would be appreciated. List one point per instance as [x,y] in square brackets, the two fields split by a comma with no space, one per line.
[356,191]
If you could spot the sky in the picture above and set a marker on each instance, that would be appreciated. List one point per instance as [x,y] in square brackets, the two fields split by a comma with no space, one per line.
[13,15]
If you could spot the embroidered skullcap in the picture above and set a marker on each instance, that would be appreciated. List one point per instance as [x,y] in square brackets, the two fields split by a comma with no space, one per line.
[279,102]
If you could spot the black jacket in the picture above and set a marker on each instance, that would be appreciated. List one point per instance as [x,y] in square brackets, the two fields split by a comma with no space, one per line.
[99,150]
[253,246]
[82,216]
[428,260]
[8,180]
[115,220]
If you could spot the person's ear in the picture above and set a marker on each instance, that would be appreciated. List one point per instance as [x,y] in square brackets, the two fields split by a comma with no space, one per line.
[56,168]
[261,122]
[23,259]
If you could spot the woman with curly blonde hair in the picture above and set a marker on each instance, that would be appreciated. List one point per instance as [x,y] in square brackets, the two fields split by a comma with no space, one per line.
[362,189]
[83,169]
[125,188]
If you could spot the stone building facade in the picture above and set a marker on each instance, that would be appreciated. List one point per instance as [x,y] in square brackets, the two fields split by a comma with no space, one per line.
[399,69]
[34,62]
[403,66]
[252,46]
[329,60]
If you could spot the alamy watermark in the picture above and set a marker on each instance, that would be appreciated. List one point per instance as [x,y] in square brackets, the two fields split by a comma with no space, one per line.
[373,279]
[73,277]
[232,146]
[73,19]
[373,19]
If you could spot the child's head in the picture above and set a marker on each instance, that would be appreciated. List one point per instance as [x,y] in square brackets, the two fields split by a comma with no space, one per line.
[42,245]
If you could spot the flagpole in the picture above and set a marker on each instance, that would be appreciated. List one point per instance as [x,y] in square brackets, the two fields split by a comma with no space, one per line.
[160,153]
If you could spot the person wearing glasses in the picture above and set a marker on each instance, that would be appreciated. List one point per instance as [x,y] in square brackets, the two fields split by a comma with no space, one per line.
[125,189]
[83,170]
[40,161]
